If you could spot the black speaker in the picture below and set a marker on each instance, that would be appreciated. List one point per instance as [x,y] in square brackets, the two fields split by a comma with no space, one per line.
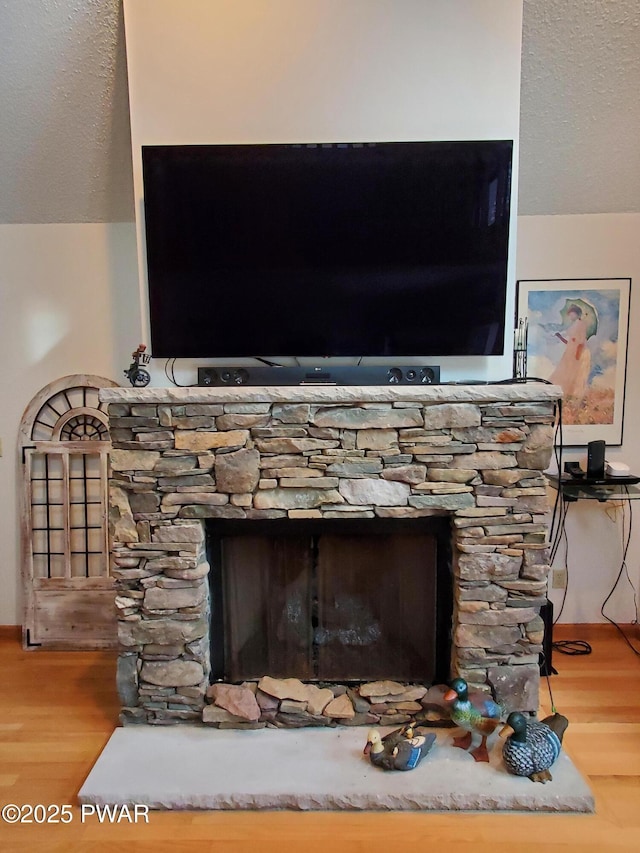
[595,460]
[335,375]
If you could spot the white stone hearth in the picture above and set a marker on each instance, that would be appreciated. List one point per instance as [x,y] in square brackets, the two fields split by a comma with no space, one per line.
[312,769]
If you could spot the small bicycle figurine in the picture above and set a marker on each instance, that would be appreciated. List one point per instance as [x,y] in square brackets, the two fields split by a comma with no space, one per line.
[137,375]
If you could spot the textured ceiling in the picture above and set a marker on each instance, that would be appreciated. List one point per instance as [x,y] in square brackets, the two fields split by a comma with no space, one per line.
[580,107]
[65,142]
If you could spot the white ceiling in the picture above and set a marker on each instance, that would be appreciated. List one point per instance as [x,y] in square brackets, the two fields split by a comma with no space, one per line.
[580,107]
[65,141]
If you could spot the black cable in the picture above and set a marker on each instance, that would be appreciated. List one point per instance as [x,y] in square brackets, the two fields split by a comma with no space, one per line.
[561,506]
[623,568]
[624,562]
[567,647]
[563,536]
[572,647]
[557,536]
[557,529]
[169,372]
[512,381]
[558,449]
[560,511]
[546,668]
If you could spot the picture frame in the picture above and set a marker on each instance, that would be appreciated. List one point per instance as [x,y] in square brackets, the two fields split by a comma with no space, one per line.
[577,338]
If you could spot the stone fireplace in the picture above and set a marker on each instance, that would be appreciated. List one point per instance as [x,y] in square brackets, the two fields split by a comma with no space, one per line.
[338,465]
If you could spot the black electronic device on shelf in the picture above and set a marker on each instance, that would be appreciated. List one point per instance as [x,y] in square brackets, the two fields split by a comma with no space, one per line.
[596,473]
[227,376]
[595,460]
[574,470]
[630,480]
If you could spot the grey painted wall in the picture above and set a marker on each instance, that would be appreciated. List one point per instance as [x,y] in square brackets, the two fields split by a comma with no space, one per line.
[65,138]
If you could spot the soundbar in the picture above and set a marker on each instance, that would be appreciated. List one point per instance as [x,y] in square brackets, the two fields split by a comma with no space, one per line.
[216,377]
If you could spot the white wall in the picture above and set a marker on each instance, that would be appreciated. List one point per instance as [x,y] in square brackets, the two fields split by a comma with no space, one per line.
[69,305]
[594,246]
[306,69]
[326,70]
[223,71]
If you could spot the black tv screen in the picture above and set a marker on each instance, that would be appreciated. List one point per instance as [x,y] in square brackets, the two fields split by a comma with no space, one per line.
[386,249]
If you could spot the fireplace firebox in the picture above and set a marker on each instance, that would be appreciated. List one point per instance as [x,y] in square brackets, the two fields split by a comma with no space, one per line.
[337,600]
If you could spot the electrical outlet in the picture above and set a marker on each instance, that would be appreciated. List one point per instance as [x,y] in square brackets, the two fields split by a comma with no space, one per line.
[559,579]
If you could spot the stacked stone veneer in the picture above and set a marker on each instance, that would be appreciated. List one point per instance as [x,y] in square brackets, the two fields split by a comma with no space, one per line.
[181,456]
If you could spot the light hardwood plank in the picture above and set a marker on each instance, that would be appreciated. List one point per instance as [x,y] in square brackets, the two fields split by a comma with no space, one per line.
[58,710]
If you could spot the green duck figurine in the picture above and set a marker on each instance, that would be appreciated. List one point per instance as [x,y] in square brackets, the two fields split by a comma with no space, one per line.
[532,746]
[399,750]
[476,713]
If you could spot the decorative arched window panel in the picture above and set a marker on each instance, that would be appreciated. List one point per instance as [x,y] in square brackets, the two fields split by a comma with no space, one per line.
[64,450]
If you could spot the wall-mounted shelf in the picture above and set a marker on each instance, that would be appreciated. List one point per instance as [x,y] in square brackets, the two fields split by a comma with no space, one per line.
[608,489]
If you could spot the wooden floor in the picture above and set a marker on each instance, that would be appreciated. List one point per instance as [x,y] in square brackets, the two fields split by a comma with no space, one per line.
[58,709]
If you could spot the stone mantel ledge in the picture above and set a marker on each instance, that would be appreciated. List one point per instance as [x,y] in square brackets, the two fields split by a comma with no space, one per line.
[321,393]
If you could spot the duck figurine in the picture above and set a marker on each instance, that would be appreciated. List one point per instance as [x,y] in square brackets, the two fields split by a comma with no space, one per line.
[401,749]
[532,746]
[477,713]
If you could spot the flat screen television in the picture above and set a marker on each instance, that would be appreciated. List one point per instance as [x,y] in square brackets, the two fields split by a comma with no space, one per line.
[385,249]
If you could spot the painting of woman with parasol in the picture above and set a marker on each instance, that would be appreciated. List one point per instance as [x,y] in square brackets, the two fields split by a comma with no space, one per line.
[580,322]
[577,339]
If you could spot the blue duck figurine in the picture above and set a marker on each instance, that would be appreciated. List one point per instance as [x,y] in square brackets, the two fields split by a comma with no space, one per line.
[399,750]
[532,746]
[476,713]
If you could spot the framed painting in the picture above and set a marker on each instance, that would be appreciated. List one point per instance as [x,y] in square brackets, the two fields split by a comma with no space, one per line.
[577,339]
